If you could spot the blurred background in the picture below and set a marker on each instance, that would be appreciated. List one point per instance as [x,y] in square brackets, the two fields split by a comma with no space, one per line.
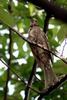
[16,52]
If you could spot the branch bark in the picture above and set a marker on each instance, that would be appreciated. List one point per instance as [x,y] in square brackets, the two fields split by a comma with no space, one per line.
[51,88]
[18,76]
[10,54]
[52,9]
[27,90]
[44,92]
[33,43]
[46,22]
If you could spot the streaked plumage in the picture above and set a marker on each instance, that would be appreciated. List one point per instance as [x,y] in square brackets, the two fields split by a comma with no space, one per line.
[42,57]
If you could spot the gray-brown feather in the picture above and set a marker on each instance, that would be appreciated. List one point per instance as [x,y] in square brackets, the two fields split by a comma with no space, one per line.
[43,57]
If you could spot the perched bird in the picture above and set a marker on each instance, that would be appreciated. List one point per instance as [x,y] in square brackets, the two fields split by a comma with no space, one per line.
[42,57]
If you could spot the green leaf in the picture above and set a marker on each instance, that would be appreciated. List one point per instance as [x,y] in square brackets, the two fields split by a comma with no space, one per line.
[60,67]
[62,33]
[1,95]
[21,10]
[61,2]
[5,17]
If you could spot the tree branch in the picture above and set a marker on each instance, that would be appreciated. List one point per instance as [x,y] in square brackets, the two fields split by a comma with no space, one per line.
[51,88]
[44,92]
[34,43]
[59,82]
[52,9]
[46,22]
[21,79]
[10,54]
[8,70]
[27,90]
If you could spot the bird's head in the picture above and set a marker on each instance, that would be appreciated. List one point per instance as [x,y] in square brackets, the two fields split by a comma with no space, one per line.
[33,22]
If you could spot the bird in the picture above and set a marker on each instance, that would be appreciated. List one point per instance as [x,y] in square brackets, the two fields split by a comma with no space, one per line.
[43,57]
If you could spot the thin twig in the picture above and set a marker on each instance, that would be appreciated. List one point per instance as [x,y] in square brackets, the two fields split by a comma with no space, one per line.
[39,45]
[44,92]
[27,90]
[21,79]
[10,54]
[33,43]
[8,70]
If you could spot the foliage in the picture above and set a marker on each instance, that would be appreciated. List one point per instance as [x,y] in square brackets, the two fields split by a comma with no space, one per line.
[21,57]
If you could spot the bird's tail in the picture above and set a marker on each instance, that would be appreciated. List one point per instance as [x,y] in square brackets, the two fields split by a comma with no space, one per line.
[50,76]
